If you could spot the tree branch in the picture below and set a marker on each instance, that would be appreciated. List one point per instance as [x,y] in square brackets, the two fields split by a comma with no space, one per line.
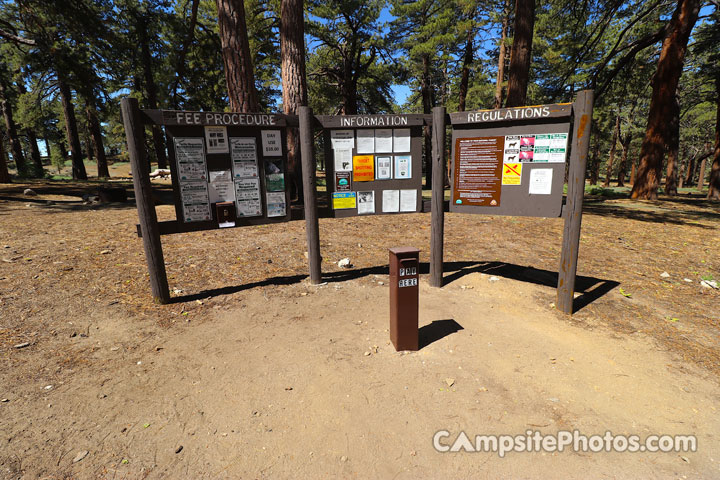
[16,39]
[637,46]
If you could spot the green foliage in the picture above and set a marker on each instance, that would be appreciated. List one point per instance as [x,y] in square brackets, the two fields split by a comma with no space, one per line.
[354,60]
[427,34]
[351,69]
[57,160]
[202,86]
[263,23]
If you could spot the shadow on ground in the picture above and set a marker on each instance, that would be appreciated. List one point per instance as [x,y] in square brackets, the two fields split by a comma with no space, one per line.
[437,330]
[591,288]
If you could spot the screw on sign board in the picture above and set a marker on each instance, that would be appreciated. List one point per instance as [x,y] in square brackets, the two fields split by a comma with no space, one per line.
[373,163]
[512,161]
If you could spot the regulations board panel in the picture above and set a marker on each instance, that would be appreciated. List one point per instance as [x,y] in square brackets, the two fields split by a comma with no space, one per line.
[373,163]
[228,169]
[510,161]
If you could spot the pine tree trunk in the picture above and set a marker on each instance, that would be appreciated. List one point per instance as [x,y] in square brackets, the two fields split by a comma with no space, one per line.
[426,91]
[521,54]
[349,98]
[426,87]
[662,102]
[622,171]
[11,129]
[239,74]
[63,150]
[294,81]
[701,175]
[501,56]
[71,129]
[38,170]
[671,176]
[152,103]
[4,174]
[595,164]
[467,62]
[633,172]
[613,149]
[348,86]
[714,190]
[96,139]
[690,174]
[680,166]
[88,146]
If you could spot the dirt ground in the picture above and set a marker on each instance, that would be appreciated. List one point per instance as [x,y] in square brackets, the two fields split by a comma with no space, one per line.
[254,373]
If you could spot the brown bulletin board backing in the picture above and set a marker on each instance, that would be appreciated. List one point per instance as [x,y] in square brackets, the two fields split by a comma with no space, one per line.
[484,140]
[191,124]
[368,123]
[222,161]
[515,199]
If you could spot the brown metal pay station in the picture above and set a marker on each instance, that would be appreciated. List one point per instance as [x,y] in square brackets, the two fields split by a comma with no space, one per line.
[404,297]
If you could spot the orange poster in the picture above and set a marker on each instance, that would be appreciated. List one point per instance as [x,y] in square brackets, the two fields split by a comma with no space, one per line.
[363,168]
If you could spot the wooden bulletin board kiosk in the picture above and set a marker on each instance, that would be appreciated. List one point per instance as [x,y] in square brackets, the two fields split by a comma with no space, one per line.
[373,163]
[513,161]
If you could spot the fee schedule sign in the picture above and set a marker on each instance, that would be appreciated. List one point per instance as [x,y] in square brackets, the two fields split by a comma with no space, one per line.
[234,160]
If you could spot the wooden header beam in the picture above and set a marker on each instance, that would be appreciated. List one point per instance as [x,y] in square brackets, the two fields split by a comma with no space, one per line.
[230,119]
[536,112]
[374,121]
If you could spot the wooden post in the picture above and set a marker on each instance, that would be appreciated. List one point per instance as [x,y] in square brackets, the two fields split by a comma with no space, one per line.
[307,155]
[143,198]
[437,214]
[572,212]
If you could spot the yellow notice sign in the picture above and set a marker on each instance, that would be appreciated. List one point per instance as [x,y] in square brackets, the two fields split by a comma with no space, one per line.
[363,168]
[343,200]
[512,173]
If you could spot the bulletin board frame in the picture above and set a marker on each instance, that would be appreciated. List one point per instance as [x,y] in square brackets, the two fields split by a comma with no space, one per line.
[369,123]
[191,124]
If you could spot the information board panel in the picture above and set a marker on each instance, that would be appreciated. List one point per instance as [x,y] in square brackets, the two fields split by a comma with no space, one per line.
[373,163]
[510,161]
[223,157]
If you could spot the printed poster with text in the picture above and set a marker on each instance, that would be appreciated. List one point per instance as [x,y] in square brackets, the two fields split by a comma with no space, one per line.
[363,168]
[344,200]
[195,201]
[190,158]
[478,171]
[243,152]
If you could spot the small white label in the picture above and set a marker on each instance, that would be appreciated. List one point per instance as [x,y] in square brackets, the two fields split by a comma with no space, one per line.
[407,282]
[406,272]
